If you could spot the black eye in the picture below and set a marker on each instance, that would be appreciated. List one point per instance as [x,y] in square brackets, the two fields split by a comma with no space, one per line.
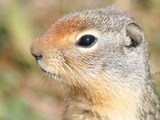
[86,41]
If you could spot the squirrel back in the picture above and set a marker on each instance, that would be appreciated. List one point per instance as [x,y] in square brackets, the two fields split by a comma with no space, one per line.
[101,56]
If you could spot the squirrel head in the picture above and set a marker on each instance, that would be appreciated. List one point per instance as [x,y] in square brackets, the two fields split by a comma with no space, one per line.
[91,44]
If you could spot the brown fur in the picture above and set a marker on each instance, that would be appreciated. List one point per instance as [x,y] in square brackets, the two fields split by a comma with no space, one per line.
[108,81]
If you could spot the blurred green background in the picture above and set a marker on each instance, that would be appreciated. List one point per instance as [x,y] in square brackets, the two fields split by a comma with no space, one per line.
[25,94]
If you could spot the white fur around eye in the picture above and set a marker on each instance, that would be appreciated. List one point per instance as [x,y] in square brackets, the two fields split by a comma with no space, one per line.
[94,33]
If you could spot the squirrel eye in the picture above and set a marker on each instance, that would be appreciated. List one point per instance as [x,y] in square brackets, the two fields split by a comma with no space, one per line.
[86,41]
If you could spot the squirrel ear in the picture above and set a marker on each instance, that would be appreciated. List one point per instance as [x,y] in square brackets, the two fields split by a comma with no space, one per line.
[135,34]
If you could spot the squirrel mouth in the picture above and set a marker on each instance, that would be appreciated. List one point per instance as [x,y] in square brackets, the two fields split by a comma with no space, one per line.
[44,70]
[50,73]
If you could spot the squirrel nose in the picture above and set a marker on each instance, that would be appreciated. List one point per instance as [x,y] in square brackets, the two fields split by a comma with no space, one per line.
[37,56]
[36,51]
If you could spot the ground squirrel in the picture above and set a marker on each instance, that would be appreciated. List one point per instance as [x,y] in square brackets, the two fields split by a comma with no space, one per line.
[101,56]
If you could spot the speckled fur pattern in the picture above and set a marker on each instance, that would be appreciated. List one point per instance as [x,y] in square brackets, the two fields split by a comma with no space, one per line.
[109,81]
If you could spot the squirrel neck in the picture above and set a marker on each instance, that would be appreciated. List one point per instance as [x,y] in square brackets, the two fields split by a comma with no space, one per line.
[102,102]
